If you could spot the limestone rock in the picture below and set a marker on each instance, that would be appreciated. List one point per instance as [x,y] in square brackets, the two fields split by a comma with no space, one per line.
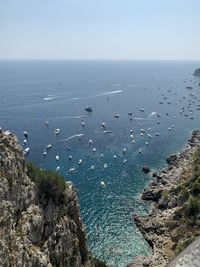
[33,234]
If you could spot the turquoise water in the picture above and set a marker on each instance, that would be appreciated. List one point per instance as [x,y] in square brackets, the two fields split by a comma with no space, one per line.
[32,92]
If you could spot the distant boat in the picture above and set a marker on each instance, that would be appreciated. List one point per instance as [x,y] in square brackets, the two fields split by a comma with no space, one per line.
[116,116]
[26,150]
[103,184]
[88,109]
[25,134]
[141,109]
[104,125]
[48,147]
[57,131]
[149,135]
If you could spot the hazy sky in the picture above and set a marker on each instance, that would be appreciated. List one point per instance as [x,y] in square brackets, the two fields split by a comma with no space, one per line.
[100,29]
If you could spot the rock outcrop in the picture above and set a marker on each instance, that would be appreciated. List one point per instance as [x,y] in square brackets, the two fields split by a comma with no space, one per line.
[166,229]
[197,72]
[33,234]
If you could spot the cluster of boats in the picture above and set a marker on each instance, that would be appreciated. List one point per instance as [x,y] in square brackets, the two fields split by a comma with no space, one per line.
[186,111]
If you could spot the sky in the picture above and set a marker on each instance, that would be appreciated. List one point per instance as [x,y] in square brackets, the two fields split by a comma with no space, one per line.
[100,29]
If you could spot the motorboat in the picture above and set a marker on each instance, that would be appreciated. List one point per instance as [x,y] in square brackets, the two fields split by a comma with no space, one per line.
[57,131]
[88,109]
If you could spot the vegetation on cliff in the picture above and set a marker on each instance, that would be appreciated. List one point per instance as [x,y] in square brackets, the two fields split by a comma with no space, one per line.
[190,190]
[50,184]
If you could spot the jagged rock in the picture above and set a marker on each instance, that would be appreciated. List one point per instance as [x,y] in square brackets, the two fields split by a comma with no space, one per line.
[172,160]
[153,194]
[146,169]
[33,234]
[154,174]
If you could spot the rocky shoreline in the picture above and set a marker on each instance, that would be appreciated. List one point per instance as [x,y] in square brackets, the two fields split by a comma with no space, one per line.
[159,228]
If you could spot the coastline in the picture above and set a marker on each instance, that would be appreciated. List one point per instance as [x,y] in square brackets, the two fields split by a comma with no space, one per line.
[159,228]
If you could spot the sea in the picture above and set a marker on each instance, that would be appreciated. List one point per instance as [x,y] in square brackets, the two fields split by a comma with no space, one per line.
[142,111]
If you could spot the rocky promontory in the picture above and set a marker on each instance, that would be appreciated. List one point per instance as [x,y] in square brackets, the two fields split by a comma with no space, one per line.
[197,72]
[39,226]
[174,220]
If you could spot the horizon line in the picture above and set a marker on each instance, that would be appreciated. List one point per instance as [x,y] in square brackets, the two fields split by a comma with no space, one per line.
[91,59]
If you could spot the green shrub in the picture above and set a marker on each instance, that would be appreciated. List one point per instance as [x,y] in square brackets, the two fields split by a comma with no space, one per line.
[192,208]
[182,245]
[50,184]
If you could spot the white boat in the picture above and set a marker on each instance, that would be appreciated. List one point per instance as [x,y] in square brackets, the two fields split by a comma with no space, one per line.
[70,157]
[90,142]
[94,149]
[104,125]
[146,143]
[48,147]
[44,153]
[140,150]
[103,184]
[116,116]
[57,131]
[83,124]
[57,158]
[114,156]
[105,165]
[92,167]
[57,168]
[80,162]
[149,135]
[26,150]
[141,109]
[71,170]
[124,161]
[25,141]
[157,134]
[25,134]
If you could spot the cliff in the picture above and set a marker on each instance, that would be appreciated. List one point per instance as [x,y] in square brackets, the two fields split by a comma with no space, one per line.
[174,221]
[37,228]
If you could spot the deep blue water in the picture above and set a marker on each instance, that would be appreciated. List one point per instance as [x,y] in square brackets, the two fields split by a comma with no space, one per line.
[32,92]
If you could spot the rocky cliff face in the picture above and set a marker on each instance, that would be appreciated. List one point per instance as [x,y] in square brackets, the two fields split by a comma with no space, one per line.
[174,220]
[33,234]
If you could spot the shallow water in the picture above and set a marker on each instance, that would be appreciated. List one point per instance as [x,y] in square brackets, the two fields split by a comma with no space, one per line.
[32,92]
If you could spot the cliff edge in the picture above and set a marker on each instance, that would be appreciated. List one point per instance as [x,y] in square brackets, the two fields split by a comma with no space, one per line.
[36,229]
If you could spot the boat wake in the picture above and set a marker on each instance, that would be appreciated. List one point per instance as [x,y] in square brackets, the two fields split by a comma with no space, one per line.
[70,137]
[68,117]
[97,95]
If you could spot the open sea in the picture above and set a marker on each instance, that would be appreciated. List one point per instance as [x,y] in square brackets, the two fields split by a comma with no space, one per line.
[34,92]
